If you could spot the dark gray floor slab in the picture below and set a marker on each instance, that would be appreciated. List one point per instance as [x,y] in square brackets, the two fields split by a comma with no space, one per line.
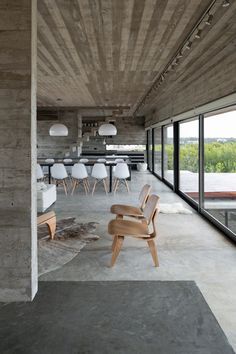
[113,317]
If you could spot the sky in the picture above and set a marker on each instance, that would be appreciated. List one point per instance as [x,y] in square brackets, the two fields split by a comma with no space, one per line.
[219,126]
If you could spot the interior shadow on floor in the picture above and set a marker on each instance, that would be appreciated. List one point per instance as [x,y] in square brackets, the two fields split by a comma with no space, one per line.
[162,317]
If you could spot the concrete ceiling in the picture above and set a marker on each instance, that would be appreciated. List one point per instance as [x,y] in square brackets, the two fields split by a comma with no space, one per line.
[98,53]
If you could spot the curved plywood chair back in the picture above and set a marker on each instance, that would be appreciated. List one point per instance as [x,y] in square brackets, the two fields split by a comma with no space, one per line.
[151,207]
[143,196]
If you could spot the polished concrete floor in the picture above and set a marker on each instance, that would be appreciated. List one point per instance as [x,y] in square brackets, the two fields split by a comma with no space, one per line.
[189,248]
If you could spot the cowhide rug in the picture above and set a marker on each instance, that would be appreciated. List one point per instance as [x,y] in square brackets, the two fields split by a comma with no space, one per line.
[71,236]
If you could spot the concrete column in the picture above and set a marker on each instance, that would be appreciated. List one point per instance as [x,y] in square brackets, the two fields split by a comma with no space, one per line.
[18,228]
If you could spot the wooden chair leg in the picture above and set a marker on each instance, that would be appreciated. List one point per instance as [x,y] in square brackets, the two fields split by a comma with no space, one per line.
[117,248]
[127,185]
[114,242]
[96,181]
[64,185]
[105,186]
[117,184]
[73,187]
[85,187]
[153,249]
[87,183]
[114,184]
[51,224]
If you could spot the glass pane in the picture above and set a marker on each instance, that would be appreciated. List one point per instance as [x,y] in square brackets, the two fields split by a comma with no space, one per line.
[168,153]
[220,167]
[150,149]
[188,158]
[149,145]
[157,151]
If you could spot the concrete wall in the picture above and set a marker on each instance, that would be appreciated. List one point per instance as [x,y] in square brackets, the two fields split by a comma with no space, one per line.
[57,146]
[130,131]
[18,229]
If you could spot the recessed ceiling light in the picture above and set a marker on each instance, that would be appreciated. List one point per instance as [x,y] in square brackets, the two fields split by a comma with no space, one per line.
[225,3]
[198,34]
[189,45]
[209,20]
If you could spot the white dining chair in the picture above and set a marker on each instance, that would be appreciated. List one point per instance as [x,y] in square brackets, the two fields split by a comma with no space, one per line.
[99,173]
[121,174]
[79,174]
[88,168]
[59,175]
[39,172]
[117,161]
[101,160]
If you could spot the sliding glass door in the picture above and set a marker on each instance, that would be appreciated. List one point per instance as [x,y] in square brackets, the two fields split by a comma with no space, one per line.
[204,171]
[168,147]
[220,167]
[157,151]
[149,147]
[188,158]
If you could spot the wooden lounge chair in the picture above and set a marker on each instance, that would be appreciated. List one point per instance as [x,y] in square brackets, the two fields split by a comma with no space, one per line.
[121,228]
[50,220]
[128,210]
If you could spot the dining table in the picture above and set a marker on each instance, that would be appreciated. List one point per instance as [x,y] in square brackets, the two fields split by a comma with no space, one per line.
[110,164]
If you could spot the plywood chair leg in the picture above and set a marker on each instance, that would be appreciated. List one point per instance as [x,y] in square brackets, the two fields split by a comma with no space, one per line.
[153,249]
[117,248]
[94,186]
[114,242]
[51,224]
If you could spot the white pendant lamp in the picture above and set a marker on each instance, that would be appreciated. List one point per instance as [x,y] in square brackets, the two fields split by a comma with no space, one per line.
[107,129]
[58,129]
